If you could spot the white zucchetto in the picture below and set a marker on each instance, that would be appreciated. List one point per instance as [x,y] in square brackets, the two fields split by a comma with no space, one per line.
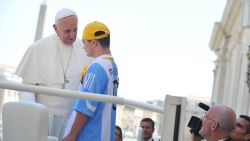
[64,12]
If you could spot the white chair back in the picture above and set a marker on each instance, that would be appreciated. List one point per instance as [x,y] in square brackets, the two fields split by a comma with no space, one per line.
[25,121]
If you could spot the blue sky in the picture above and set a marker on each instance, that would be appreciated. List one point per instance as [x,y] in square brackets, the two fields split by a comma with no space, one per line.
[161,46]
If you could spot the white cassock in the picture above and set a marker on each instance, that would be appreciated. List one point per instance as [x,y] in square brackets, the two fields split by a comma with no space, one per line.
[45,63]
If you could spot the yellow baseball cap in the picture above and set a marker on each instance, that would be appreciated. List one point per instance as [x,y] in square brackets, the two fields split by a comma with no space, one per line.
[90,30]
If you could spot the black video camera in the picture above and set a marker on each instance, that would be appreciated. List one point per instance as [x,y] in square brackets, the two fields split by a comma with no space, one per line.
[195,122]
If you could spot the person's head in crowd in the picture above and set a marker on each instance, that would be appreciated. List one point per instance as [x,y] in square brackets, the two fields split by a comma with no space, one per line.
[218,123]
[66,25]
[118,133]
[147,124]
[242,130]
[96,39]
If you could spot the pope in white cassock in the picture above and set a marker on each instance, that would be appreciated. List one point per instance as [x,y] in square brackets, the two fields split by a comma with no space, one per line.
[55,61]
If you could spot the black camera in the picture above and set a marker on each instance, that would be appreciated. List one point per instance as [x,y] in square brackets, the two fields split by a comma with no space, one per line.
[195,122]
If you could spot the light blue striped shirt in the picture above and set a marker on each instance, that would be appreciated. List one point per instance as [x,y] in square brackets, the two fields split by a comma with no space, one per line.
[99,78]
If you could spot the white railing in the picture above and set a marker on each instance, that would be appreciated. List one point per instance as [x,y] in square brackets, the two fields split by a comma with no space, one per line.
[170,130]
[5,84]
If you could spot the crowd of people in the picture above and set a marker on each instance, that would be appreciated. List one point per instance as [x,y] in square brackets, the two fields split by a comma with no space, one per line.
[63,61]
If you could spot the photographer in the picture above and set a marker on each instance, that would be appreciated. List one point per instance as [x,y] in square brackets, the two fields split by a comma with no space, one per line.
[217,124]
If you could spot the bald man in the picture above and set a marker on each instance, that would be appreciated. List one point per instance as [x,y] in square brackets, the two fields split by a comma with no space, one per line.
[218,123]
[55,61]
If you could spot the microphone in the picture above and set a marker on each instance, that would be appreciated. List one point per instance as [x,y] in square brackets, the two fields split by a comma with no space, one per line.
[203,106]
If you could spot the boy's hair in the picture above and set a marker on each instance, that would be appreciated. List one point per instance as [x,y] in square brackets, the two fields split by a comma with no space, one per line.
[105,42]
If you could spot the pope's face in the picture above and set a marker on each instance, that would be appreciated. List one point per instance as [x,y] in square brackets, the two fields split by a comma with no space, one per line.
[66,29]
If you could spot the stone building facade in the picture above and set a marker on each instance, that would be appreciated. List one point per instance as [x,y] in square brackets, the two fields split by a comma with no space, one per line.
[230,42]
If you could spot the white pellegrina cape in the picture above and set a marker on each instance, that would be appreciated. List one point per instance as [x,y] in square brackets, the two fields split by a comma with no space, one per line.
[42,65]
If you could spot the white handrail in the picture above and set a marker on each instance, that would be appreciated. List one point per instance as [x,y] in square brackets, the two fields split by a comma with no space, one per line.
[5,84]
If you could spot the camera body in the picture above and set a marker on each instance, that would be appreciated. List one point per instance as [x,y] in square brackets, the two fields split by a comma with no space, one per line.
[195,122]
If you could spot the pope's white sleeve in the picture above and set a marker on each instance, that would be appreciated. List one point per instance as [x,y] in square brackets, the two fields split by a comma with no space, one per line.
[27,96]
